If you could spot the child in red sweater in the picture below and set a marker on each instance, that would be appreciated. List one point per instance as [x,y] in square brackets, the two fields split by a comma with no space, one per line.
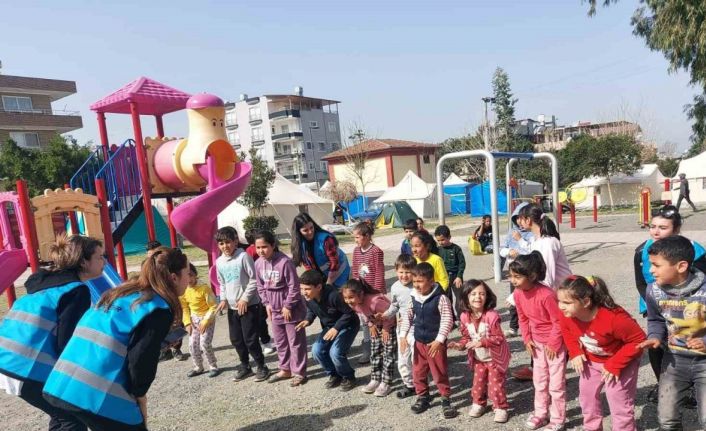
[540,325]
[602,340]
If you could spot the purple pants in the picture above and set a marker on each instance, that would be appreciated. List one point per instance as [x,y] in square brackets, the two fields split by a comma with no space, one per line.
[291,347]
[620,396]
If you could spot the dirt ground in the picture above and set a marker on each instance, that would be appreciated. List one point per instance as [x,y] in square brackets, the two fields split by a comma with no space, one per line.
[179,403]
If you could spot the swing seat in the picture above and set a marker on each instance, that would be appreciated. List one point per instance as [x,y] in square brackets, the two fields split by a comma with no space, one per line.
[474,247]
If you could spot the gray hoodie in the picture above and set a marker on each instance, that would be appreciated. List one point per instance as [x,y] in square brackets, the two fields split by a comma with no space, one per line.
[236,277]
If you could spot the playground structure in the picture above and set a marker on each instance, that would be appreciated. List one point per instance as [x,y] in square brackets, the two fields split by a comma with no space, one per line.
[115,185]
[490,166]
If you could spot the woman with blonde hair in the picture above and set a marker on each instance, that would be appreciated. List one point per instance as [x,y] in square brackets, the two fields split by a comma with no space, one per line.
[103,375]
[38,327]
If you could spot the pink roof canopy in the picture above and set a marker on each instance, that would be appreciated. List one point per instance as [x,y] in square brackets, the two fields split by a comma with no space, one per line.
[152,98]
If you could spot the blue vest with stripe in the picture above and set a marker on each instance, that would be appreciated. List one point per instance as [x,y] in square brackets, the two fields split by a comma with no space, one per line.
[28,334]
[321,260]
[91,372]
[427,318]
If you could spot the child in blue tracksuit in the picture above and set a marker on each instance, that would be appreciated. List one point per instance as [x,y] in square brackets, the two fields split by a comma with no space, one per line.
[510,248]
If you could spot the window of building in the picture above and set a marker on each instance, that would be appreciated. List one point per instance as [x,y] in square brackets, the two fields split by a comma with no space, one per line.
[285,128]
[25,139]
[311,166]
[331,126]
[334,146]
[254,113]
[426,160]
[323,166]
[322,146]
[230,118]
[17,103]
[232,136]
[313,124]
[308,145]
[256,134]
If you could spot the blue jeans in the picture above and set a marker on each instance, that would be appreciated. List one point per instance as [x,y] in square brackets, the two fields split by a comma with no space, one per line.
[679,374]
[333,354]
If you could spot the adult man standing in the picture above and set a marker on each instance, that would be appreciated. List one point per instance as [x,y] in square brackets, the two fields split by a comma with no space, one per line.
[684,192]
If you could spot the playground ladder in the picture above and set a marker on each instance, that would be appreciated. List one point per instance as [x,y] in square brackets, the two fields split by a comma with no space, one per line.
[85,176]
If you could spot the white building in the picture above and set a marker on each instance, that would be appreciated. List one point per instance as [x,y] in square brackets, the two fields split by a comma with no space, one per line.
[290,131]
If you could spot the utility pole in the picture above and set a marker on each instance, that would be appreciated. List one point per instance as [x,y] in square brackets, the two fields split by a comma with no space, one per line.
[486,122]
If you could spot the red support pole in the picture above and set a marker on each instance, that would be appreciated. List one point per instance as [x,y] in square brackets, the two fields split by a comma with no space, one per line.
[595,208]
[172,231]
[105,221]
[559,213]
[667,188]
[645,208]
[103,132]
[122,266]
[144,172]
[160,126]
[572,212]
[27,220]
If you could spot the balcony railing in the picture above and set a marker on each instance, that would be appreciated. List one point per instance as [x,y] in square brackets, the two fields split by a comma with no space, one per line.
[289,135]
[294,113]
[40,112]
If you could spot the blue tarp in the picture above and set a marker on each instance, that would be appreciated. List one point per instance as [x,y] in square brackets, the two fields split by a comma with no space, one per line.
[355,206]
[480,200]
[459,198]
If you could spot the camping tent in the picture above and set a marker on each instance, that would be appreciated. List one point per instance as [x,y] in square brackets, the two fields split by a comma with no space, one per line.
[695,170]
[286,200]
[394,214]
[624,188]
[480,200]
[528,189]
[420,196]
[459,193]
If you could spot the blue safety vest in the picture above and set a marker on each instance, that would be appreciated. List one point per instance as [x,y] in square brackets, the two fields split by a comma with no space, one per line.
[28,334]
[321,260]
[91,372]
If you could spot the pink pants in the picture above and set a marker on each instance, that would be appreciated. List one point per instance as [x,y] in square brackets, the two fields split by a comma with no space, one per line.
[488,382]
[549,378]
[620,396]
[291,347]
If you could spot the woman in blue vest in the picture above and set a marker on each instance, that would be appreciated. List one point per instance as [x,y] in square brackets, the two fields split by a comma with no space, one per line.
[38,327]
[666,222]
[314,248]
[105,371]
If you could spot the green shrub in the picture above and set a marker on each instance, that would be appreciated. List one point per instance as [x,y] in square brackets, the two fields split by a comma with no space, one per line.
[269,223]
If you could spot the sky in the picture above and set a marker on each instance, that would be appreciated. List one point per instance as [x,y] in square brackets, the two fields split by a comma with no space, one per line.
[413,70]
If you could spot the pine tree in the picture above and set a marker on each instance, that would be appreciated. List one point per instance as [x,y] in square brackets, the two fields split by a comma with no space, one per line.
[504,110]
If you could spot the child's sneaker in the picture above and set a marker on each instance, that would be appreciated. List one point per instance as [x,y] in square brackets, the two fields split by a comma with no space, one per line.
[555,427]
[533,422]
[448,410]
[268,349]
[509,333]
[214,372]
[178,355]
[382,390]
[421,405]
[195,372]
[348,384]
[477,410]
[262,373]
[500,416]
[242,372]
[370,387]
[405,392]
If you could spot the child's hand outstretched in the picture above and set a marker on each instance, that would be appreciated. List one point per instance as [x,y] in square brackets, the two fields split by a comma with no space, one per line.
[696,344]
[434,348]
[456,346]
[242,307]
[577,363]
[269,312]
[473,345]
[650,343]
[222,306]
[551,353]
[301,325]
[458,283]
[373,331]
[530,347]
[607,376]
[385,336]
[287,314]
[331,334]
[205,323]
[403,344]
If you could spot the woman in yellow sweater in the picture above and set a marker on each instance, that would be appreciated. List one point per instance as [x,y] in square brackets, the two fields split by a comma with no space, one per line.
[424,250]
[199,306]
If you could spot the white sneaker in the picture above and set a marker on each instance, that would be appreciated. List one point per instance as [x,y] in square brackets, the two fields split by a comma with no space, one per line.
[370,387]
[500,416]
[268,349]
[476,410]
[510,333]
[382,390]
[556,427]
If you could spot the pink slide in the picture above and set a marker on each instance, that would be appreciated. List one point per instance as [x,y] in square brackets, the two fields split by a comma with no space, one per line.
[13,264]
[196,219]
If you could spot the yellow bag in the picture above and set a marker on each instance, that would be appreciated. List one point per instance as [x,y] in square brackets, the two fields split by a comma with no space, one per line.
[474,247]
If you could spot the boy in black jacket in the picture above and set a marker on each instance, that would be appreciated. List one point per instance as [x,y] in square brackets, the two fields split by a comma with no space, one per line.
[339,326]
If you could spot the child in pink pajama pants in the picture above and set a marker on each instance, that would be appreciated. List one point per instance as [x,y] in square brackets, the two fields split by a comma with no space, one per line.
[602,340]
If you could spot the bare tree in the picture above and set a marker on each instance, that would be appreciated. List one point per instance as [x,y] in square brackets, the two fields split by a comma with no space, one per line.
[357,155]
[340,191]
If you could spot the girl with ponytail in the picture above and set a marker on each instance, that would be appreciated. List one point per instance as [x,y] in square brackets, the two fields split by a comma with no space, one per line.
[602,340]
[533,219]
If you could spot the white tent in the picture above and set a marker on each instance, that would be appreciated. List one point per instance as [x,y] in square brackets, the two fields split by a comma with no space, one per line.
[695,170]
[286,200]
[420,196]
[454,180]
[624,188]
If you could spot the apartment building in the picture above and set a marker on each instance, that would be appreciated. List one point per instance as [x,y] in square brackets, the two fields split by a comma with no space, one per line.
[26,113]
[548,136]
[291,132]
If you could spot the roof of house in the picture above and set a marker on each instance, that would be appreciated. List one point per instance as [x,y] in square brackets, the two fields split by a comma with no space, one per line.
[372,146]
[152,98]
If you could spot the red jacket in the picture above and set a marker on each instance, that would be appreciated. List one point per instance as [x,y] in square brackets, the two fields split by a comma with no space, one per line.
[610,338]
[539,315]
[494,338]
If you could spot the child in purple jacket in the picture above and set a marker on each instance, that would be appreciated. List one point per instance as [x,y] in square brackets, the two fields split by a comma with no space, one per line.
[278,287]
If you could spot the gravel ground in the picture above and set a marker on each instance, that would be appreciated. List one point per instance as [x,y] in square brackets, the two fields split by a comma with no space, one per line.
[200,403]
